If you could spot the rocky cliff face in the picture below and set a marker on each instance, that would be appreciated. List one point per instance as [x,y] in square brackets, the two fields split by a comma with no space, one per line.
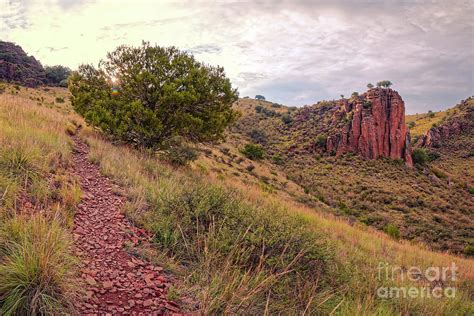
[375,126]
[16,66]
[460,121]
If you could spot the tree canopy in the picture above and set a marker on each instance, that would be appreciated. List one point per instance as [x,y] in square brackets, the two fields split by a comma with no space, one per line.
[57,75]
[259,97]
[384,84]
[146,95]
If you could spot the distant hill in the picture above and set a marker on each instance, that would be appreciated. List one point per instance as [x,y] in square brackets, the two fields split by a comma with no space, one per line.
[428,203]
[17,67]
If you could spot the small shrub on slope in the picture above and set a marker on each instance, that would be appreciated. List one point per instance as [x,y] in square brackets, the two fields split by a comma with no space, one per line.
[253,151]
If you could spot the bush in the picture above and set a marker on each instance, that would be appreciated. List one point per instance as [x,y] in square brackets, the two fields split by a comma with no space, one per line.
[469,250]
[258,136]
[179,153]
[420,156]
[470,190]
[259,97]
[393,231]
[411,125]
[59,100]
[432,156]
[253,151]
[321,140]
[57,75]
[287,119]
[144,107]
[431,114]
[259,108]
[277,159]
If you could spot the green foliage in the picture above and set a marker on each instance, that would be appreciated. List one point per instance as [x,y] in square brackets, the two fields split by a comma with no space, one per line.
[470,190]
[253,151]
[277,159]
[57,75]
[411,125]
[287,119]
[392,230]
[162,93]
[367,104]
[469,250]
[432,156]
[321,141]
[370,86]
[384,84]
[431,114]
[354,94]
[259,108]
[258,136]
[259,97]
[178,152]
[420,156]
[59,100]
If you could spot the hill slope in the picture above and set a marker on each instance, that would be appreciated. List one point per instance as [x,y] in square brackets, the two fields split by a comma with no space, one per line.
[424,203]
[235,243]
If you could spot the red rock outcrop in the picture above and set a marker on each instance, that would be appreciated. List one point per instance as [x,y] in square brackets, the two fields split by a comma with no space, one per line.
[460,122]
[376,127]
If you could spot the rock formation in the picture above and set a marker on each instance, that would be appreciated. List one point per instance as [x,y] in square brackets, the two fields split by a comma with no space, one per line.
[460,121]
[16,66]
[375,126]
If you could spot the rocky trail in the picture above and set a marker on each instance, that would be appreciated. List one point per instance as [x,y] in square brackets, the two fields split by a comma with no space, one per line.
[115,281]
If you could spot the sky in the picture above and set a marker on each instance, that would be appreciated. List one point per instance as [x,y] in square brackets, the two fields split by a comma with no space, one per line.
[292,52]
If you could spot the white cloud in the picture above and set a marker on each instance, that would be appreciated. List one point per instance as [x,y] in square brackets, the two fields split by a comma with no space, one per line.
[293,52]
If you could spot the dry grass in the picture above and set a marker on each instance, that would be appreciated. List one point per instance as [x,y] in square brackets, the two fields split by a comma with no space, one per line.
[423,122]
[349,281]
[37,199]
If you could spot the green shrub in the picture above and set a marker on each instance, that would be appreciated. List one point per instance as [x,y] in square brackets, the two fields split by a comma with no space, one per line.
[431,114]
[393,231]
[470,190]
[469,250]
[321,141]
[59,100]
[259,108]
[179,153]
[146,108]
[411,125]
[420,156]
[277,159]
[258,136]
[253,151]
[287,119]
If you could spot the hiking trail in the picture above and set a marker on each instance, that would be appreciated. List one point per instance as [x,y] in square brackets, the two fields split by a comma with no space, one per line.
[116,282]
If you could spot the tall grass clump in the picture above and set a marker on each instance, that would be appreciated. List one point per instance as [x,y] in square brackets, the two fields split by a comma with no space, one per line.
[35,267]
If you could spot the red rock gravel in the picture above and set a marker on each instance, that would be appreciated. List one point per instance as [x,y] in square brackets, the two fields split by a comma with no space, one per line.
[115,282]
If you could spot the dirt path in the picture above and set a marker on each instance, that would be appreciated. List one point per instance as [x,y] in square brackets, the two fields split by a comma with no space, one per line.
[116,282]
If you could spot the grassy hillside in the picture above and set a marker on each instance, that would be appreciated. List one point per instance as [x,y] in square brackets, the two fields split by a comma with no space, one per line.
[424,204]
[239,240]
[420,123]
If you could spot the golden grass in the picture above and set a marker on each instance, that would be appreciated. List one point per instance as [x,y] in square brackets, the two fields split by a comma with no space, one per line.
[37,269]
[357,250]
[423,122]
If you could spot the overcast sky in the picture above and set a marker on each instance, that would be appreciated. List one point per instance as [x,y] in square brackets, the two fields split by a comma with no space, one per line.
[293,52]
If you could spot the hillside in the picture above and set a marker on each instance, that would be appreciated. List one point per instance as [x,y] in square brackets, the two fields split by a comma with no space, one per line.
[424,203]
[229,239]
[16,66]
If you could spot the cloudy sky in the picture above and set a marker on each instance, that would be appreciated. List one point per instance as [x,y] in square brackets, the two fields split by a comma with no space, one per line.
[293,52]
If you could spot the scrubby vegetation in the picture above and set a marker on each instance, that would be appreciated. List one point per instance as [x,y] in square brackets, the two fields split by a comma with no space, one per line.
[253,151]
